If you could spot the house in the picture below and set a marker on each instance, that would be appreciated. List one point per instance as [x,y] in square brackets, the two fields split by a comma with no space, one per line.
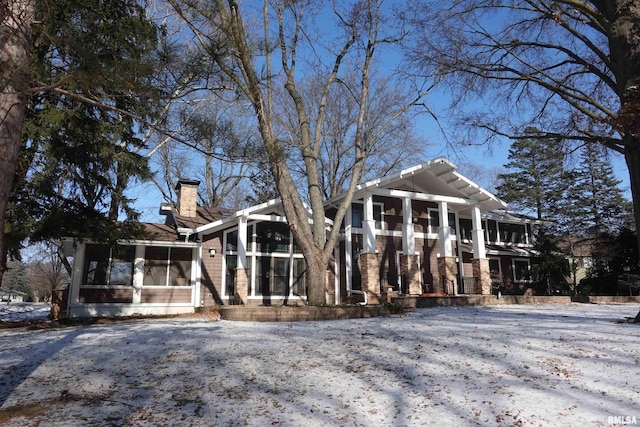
[11,295]
[424,230]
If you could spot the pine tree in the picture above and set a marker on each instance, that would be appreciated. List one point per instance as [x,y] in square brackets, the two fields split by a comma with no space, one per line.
[599,205]
[92,71]
[534,185]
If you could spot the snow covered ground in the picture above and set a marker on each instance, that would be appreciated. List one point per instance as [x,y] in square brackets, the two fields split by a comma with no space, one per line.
[547,365]
[23,311]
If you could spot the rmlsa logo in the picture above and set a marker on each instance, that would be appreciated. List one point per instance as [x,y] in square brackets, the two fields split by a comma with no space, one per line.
[622,421]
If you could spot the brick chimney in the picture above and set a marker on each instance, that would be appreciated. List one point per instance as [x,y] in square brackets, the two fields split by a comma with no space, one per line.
[187,190]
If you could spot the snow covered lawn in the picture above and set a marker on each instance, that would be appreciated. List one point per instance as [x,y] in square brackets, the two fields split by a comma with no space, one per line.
[23,311]
[549,365]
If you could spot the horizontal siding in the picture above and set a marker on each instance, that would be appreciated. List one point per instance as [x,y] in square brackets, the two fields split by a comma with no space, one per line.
[89,295]
[165,296]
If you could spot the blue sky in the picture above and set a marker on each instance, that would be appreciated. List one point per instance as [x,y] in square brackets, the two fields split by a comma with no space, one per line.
[495,156]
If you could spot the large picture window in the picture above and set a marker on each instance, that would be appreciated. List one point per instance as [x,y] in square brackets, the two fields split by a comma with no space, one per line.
[274,266]
[104,266]
[167,266]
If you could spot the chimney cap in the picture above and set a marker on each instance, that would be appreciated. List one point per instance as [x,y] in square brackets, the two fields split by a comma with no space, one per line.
[186,181]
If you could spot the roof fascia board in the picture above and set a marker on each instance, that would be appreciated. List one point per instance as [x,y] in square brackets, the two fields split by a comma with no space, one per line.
[158,243]
[422,196]
[231,218]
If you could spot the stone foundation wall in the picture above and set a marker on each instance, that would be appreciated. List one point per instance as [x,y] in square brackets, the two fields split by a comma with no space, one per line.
[370,276]
[410,271]
[482,273]
[447,270]
[241,287]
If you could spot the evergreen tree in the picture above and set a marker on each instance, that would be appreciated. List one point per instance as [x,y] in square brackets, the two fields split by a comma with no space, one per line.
[599,205]
[550,272]
[534,183]
[92,69]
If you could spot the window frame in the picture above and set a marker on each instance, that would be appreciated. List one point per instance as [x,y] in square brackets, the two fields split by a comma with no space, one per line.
[526,261]
[254,255]
[109,268]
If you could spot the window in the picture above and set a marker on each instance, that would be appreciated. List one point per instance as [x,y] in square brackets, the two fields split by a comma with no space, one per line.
[492,231]
[434,221]
[466,227]
[512,233]
[299,277]
[230,277]
[521,271]
[232,240]
[274,264]
[357,215]
[106,267]
[164,266]
[494,270]
[272,276]
[272,237]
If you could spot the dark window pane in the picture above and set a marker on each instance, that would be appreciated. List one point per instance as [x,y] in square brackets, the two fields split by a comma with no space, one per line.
[121,273]
[272,237]
[156,260]
[180,267]
[232,264]
[96,264]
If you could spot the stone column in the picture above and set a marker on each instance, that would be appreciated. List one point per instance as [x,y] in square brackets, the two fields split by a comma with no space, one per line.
[410,271]
[241,287]
[447,270]
[482,273]
[370,276]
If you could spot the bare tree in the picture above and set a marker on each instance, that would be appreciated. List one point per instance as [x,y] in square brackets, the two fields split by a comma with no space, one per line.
[570,68]
[46,272]
[262,50]
[390,141]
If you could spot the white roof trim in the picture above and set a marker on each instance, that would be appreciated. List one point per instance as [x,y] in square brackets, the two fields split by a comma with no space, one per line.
[470,191]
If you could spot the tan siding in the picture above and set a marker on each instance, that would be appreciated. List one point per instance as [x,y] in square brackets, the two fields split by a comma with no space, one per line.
[211,281]
[167,295]
[89,295]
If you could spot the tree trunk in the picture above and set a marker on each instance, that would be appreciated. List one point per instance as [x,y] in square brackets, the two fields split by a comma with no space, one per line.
[15,41]
[632,157]
[316,294]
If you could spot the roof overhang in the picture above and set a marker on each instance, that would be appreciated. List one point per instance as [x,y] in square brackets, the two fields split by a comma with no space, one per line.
[437,181]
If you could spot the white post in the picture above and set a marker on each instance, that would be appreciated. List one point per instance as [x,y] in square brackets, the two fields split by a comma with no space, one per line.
[348,245]
[242,242]
[444,231]
[138,274]
[369,225]
[479,250]
[76,278]
[408,236]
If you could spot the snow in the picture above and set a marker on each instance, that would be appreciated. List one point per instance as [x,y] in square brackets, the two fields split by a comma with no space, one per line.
[23,311]
[546,365]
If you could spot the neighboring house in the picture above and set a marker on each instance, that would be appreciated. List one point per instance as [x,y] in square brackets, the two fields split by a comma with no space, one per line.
[11,295]
[425,230]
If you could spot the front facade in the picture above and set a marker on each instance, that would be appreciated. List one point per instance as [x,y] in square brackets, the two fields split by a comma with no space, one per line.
[426,230]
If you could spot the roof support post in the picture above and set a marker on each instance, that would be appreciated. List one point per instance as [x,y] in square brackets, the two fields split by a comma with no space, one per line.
[242,242]
[369,224]
[479,250]
[444,231]
[408,235]
[138,274]
[348,247]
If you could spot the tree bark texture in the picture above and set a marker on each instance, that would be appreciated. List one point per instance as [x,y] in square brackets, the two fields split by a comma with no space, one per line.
[15,41]
[624,45]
